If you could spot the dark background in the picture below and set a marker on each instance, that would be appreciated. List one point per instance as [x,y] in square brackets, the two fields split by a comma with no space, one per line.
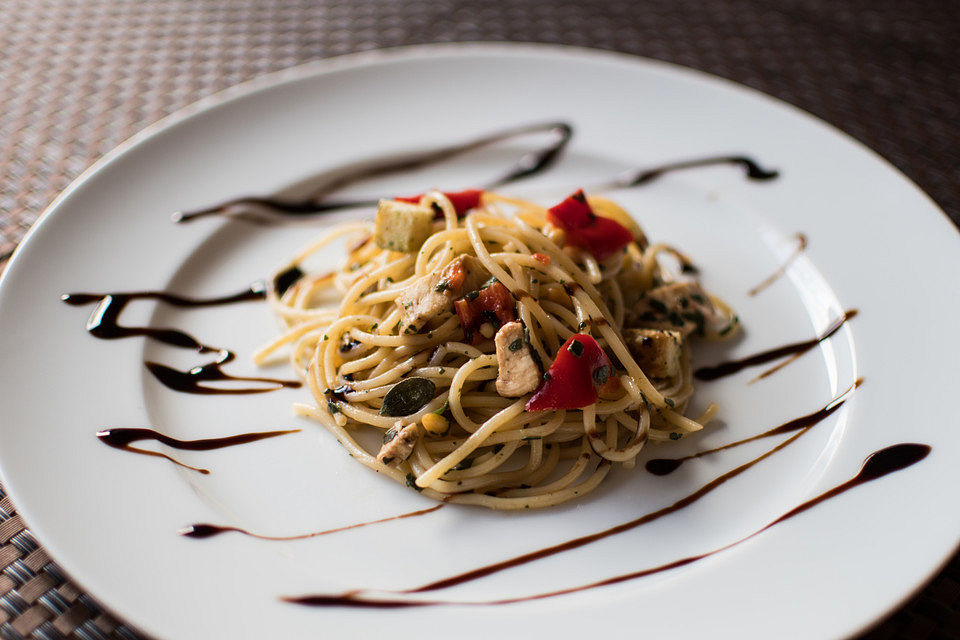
[77,78]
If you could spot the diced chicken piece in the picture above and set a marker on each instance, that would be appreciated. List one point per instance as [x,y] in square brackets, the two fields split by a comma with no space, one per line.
[432,295]
[683,306]
[402,226]
[398,442]
[657,351]
[519,373]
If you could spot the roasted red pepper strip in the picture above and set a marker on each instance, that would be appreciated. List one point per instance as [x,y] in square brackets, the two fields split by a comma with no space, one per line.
[580,368]
[462,201]
[492,303]
[601,236]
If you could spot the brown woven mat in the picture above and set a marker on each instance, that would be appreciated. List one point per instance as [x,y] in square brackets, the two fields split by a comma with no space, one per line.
[77,78]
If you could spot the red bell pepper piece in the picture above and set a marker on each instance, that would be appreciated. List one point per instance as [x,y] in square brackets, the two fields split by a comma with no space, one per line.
[462,201]
[580,368]
[583,228]
[493,302]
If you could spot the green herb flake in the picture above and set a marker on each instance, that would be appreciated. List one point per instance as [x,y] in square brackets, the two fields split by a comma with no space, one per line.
[657,305]
[669,402]
[412,482]
[472,296]
[442,286]
[675,436]
[516,345]
[374,326]
[576,348]
[334,409]
[466,463]
[601,374]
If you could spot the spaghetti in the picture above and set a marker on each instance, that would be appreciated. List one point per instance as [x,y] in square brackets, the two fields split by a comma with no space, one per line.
[487,350]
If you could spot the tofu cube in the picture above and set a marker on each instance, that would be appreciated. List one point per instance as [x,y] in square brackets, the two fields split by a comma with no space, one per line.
[402,226]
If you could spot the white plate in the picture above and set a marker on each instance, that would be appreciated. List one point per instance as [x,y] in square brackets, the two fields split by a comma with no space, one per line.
[876,243]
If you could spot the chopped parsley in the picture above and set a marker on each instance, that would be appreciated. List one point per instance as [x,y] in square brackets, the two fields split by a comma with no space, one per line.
[576,348]
[601,374]
[412,482]
[657,305]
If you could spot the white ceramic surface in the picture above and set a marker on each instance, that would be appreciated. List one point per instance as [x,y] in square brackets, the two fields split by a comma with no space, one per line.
[876,243]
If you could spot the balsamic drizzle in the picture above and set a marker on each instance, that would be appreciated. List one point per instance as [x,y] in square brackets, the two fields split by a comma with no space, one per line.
[529,164]
[191,381]
[104,321]
[795,350]
[782,269]
[122,437]
[879,464]
[104,324]
[810,421]
[205,530]
[638,177]
[664,466]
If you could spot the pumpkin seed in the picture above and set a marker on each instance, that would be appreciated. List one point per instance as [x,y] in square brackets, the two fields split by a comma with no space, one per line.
[407,397]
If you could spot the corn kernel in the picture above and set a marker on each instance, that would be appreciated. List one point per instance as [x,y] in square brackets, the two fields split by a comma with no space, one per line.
[435,425]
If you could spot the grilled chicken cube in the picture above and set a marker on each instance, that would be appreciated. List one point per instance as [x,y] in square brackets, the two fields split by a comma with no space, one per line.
[657,351]
[682,306]
[402,226]
[432,295]
[398,442]
[519,373]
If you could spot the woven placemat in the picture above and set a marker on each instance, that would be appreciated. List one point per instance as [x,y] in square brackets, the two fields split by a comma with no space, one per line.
[77,78]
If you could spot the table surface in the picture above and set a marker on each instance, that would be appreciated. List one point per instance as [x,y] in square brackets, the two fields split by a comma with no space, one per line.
[78,77]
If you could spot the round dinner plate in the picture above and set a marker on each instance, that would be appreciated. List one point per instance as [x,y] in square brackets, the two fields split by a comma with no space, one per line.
[875,244]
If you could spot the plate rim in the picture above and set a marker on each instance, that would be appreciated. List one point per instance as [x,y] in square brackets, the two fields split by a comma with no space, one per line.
[407,53]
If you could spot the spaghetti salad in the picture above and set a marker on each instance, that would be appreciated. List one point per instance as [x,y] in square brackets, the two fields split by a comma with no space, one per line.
[506,354]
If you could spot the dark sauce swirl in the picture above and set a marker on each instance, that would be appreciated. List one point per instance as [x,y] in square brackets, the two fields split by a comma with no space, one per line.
[316,203]
[575,543]
[122,437]
[192,380]
[639,177]
[205,530]
[794,350]
[665,466]
[104,323]
[878,465]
